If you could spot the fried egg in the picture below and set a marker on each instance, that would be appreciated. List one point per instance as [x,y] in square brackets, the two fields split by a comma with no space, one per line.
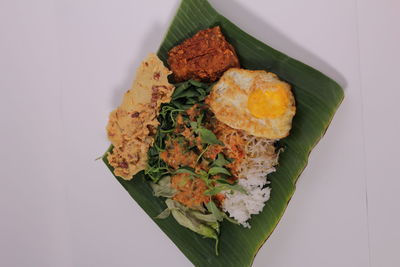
[257,102]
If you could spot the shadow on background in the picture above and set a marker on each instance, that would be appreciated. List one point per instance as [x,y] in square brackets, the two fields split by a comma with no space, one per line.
[149,45]
[260,29]
[249,22]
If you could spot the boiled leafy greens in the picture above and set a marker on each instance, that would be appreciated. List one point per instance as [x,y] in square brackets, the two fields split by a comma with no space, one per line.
[185,96]
[202,220]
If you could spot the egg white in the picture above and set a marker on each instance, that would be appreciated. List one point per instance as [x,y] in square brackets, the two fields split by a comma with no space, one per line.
[229,102]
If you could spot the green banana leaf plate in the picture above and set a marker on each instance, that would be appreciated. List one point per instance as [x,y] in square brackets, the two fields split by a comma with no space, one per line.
[317,99]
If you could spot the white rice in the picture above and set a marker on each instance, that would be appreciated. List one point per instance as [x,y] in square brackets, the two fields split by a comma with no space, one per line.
[259,162]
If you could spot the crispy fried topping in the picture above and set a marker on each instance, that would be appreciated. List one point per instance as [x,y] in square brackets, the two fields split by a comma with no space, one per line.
[205,56]
[132,126]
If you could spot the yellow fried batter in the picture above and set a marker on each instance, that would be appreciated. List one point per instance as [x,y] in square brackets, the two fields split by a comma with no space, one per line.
[132,125]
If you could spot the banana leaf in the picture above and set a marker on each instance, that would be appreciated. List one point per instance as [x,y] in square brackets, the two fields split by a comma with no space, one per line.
[317,98]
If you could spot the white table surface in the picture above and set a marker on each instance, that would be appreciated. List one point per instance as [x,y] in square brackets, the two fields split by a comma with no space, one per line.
[64,66]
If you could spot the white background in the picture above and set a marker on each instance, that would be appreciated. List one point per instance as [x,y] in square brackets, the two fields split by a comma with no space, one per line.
[64,66]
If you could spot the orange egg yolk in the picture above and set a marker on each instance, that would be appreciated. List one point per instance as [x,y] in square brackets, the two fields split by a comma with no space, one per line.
[269,103]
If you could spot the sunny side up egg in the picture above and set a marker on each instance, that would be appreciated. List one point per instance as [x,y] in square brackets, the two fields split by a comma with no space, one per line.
[254,101]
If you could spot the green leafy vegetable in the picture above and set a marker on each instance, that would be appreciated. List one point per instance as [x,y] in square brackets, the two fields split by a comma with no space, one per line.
[205,225]
[218,170]
[164,214]
[215,211]
[217,189]
[189,93]
[158,170]
[187,170]
[210,218]
[208,137]
[193,125]
[185,95]
[180,88]
[205,86]
[220,161]
[202,153]
[163,188]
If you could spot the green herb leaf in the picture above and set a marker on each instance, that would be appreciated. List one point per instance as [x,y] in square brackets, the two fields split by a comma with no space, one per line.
[215,211]
[180,105]
[198,84]
[180,88]
[202,153]
[218,170]
[185,218]
[164,214]
[217,189]
[186,170]
[157,170]
[220,161]
[209,218]
[193,125]
[203,173]
[163,188]
[191,101]
[229,219]
[208,137]
[187,94]
[199,120]
[202,92]
[215,226]
[223,181]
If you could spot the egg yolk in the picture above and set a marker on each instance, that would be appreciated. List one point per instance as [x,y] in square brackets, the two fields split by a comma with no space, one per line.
[268,103]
